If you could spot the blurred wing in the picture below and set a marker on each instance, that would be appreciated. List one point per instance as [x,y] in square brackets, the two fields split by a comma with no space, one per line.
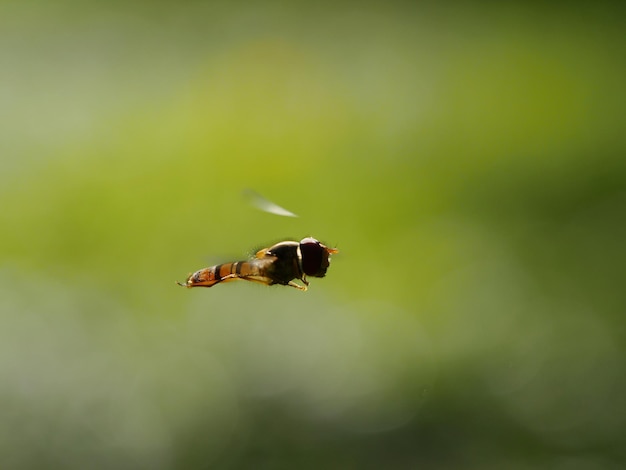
[266,205]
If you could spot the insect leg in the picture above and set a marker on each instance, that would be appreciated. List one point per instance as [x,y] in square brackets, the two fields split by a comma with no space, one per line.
[297,286]
[260,279]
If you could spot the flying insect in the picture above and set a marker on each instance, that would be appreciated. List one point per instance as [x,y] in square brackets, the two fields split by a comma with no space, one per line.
[282,264]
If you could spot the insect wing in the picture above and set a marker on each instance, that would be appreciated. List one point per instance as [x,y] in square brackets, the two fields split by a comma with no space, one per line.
[265,204]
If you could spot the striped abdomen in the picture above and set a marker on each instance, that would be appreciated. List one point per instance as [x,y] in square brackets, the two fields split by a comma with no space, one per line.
[207,277]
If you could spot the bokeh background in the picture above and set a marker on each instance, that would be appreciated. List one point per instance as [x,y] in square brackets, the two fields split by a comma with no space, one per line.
[468,159]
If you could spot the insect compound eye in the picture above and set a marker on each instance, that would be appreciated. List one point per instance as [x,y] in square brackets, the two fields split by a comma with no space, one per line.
[314,257]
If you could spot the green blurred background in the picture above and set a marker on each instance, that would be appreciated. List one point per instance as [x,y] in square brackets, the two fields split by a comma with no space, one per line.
[466,158]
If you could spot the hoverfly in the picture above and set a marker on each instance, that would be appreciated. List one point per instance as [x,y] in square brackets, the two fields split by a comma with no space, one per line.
[281,263]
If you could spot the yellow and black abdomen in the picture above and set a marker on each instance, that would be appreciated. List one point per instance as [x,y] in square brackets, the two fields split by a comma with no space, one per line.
[210,276]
